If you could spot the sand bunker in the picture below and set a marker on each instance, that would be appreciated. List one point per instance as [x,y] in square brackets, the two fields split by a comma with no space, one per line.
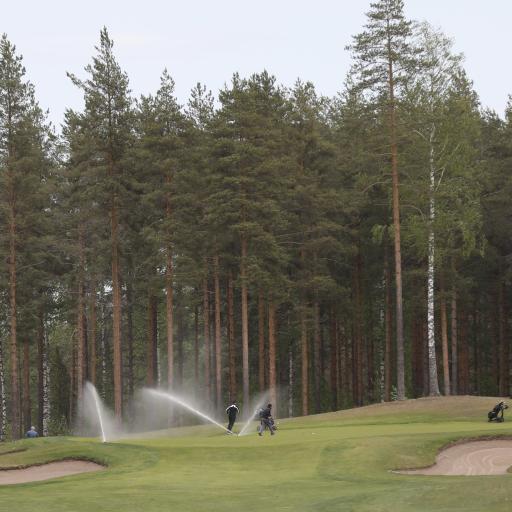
[472,458]
[47,471]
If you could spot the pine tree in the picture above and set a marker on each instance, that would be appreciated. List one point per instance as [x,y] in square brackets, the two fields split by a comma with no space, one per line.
[384,60]
[23,154]
[108,112]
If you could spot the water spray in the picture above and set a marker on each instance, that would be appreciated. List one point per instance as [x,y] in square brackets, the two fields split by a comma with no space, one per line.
[97,403]
[176,400]
[259,406]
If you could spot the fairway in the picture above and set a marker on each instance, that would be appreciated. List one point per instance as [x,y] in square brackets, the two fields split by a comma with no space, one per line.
[328,462]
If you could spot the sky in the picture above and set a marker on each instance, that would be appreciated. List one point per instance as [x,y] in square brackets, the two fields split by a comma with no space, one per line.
[208,40]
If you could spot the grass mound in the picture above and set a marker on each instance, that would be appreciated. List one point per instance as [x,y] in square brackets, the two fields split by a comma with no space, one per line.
[327,462]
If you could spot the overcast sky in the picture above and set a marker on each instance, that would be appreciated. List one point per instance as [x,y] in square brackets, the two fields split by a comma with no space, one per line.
[208,40]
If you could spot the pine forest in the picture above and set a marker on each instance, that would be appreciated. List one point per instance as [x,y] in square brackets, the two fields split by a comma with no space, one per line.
[335,251]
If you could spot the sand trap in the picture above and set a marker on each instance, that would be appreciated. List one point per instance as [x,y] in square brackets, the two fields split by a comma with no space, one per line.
[47,471]
[472,458]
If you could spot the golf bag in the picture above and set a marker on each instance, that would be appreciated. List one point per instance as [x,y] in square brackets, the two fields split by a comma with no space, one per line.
[266,423]
[497,413]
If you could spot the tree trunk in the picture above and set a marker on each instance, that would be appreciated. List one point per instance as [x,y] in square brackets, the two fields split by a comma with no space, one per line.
[81,371]
[272,355]
[92,340]
[206,331]
[431,324]
[245,322]
[40,368]
[343,377]
[444,337]
[27,403]
[231,339]
[495,347]
[46,406]
[151,361]
[400,362]
[103,352]
[455,364]
[169,310]
[3,404]
[129,339]
[317,347]
[261,341]
[504,365]
[196,346]
[72,383]
[116,313]
[333,357]
[425,362]
[15,390]
[417,358]
[180,339]
[305,361]
[218,335]
[357,350]
[290,380]
[464,355]
[388,376]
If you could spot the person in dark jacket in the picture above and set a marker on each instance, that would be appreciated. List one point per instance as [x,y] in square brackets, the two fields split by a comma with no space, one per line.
[266,421]
[32,433]
[232,412]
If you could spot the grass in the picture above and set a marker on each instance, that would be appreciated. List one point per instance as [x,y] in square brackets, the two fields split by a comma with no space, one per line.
[329,462]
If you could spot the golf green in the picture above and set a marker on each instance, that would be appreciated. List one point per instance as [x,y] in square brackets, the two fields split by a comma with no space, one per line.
[339,461]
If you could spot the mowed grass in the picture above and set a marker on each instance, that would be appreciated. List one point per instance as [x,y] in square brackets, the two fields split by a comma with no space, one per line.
[330,462]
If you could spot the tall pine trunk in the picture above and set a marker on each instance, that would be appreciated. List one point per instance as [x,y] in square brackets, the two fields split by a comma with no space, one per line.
[218,335]
[400,361]
[444,338]
[388,350]
[455,358]
[333,335]
[261,341]
[504,364]
[151,357]
[245,322]
[27,403]
[231,338]
[290,379]
[3,404]
[272,355]
[357,348]
[15,390]
[93,330]
[40,368]
[206,335]
[45,398]
[116,313]
[129,340]
[464,354]
[317,348]
[169,314]
[196,346]
[304,362]
[179,349]
[81,371]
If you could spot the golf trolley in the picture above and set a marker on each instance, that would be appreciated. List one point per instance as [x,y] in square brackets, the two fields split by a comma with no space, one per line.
[497,413]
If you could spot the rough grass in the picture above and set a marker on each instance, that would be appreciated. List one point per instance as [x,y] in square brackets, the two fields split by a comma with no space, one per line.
[330,462]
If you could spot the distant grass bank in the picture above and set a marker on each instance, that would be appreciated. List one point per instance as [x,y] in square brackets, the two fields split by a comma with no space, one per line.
[330,462]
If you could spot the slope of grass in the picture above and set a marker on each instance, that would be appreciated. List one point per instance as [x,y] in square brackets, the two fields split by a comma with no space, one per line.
[330,462]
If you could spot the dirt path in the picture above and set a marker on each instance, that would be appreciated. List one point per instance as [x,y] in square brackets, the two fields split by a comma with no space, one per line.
[47,471]
[473,458]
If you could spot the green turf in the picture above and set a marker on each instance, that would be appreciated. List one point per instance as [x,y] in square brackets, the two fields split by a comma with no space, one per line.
[330,462]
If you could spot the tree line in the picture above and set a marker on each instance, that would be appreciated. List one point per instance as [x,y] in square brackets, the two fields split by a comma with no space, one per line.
[333,251]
